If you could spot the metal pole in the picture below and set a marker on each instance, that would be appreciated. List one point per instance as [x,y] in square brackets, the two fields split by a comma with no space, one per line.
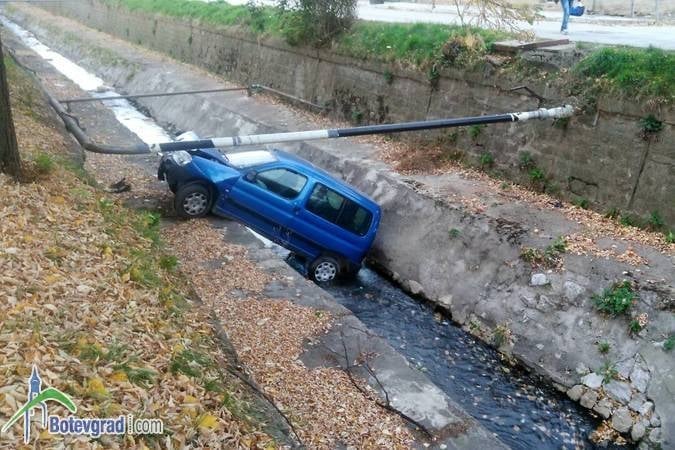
[162,94]
[259,139]
[657,10]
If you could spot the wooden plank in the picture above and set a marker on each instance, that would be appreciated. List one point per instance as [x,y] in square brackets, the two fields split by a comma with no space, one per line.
[515,46]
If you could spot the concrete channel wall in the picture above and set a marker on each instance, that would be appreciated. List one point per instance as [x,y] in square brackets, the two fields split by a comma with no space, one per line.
[597,157]
[546,318]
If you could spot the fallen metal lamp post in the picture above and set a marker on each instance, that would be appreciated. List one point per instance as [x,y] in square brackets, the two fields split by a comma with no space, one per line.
[258,139]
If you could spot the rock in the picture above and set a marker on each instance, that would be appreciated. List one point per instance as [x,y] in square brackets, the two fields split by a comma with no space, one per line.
[621,420]
[655,421]
[539,279]
[575,392]
[415,287]
[619,391]
[625,367]
[639,377]
[572,291]
[592,380]
[637,432]
[446,301]
[582,369]
[637,401]
[604,408]
[588,399]
[655,435]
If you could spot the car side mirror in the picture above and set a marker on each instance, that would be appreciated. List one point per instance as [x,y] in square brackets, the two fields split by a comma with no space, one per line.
[251,175]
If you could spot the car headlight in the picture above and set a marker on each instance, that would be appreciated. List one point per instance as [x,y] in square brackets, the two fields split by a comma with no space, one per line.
[181,157]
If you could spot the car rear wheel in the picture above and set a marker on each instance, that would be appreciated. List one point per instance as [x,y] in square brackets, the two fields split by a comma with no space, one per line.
[324,269]
[193,201]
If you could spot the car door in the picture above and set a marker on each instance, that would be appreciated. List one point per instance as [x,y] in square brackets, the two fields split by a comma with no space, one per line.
[266,201]
[330,221]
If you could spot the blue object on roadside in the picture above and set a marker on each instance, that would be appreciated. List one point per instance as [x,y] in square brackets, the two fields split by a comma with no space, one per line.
[577,9]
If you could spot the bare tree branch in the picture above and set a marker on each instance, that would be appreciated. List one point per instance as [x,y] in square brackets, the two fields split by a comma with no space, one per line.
[387,406]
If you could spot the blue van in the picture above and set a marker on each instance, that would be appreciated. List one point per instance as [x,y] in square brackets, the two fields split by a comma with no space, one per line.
[282,197]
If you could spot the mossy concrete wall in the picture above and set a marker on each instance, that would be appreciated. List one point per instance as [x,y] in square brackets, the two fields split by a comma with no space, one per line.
[600,157]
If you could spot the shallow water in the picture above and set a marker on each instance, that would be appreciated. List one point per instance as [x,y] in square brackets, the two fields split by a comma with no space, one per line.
[515,405]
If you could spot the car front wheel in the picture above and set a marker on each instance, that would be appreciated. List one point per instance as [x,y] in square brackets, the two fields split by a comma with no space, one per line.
[324,269]
[193,201]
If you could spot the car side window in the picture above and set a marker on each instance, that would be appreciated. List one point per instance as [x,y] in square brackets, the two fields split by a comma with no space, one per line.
[329,205]
[283,182]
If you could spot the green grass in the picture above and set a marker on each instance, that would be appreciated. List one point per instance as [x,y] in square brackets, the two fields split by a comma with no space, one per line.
[669,345]
[604,347]
[44,163]
[608,371]
[217,13]
[550,257]
[417,45]
[487,160]
[616,300]
[190,363]
[636,72]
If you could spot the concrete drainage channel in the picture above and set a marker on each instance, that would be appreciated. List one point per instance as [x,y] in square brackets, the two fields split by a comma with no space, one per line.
[509,401]
[435,361]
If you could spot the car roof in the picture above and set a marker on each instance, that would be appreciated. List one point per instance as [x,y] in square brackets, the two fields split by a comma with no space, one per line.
[321,175]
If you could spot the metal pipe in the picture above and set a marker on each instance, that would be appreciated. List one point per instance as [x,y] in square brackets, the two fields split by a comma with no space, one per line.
[260,87]
[85,141]
[162,94]
[259,139]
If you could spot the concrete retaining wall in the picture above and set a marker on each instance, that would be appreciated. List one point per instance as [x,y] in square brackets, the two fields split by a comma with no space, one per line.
[601,158]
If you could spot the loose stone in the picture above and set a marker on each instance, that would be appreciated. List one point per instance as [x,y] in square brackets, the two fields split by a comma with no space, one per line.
[637,432]
[621,420]
[539,279]
[588,399]
[647,408]
[575,392]
[592,380]
[619,391]
[637,401]
[604,408]
[640,378]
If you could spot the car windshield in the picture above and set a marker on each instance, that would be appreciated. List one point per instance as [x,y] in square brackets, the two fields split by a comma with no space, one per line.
[243,160]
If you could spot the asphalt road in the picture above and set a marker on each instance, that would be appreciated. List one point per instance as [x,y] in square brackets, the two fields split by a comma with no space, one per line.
[590,28]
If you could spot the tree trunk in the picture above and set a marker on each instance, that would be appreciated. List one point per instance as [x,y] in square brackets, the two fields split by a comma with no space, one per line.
[10,162]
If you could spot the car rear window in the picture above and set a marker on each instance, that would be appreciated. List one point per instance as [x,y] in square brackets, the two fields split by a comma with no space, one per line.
[335,208]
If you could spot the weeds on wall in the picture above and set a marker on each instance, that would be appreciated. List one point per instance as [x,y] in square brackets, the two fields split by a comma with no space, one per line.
[650,127]
[550,257]
[608,371]
[486,160]
[616,300]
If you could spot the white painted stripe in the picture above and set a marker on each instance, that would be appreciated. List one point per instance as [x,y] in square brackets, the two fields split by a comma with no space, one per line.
[270,138]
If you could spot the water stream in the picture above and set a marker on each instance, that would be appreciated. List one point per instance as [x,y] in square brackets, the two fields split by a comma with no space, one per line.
[517,406]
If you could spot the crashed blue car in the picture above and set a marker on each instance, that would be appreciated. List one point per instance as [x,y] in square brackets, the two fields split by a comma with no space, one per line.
[284,198]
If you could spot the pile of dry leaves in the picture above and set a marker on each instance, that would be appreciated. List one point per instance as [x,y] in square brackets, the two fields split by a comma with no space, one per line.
[89,297]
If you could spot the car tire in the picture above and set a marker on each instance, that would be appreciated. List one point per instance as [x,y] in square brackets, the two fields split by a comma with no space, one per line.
[193,200]
[324,269]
